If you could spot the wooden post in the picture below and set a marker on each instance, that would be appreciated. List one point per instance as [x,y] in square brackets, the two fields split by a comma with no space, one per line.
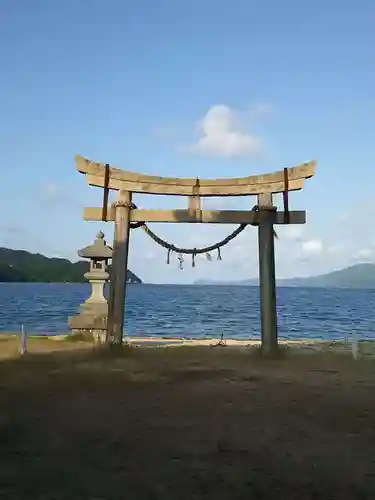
[267,280]
[116,309]
[111,294]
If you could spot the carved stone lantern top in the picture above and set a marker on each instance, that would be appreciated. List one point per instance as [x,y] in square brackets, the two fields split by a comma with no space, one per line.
[99,254]
[98,250]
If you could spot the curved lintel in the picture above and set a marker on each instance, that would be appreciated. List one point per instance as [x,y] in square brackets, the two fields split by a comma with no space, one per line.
[239,186]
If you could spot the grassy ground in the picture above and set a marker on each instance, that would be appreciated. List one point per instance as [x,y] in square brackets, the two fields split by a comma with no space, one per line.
[184,423]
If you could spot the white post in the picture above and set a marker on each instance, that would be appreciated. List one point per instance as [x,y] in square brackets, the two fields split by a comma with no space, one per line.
[355,347]
[23,344]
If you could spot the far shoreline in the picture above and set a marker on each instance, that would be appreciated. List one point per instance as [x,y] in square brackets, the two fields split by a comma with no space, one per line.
[198,285]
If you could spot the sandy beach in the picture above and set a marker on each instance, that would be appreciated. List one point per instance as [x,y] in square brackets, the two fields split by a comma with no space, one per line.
[365,347]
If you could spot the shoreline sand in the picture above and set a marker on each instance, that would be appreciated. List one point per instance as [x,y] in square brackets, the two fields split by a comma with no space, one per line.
[365,347]
[207,341]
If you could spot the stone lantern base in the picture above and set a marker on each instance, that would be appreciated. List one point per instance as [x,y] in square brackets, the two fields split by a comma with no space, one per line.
[91,326]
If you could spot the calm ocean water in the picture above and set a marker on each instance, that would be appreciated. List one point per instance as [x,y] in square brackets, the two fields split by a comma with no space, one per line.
[196,311]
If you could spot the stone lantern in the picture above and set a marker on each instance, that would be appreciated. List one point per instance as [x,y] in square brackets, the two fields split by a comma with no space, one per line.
[92,318]
[99,255]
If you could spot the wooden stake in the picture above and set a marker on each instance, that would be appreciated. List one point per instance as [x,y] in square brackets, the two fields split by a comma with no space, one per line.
[23,343]
[109,332]
[286,196]
[116,309]
[267,280]
[105,194]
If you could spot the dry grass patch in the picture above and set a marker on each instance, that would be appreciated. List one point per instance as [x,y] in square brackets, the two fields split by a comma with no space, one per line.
[185,423]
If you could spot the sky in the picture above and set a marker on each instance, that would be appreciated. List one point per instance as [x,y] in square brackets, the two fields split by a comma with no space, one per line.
[189,88]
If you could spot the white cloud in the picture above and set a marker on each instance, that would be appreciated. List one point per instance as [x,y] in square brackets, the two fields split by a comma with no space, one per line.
[217,203]
[291,232]
[313,246]
[51,191]
[222,134]
[366,254]
[262,109]
[56,194]
[165,132]
[335,249]
[150,256]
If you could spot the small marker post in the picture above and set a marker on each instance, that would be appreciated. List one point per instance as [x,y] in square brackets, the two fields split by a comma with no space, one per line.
[355,346]
[23,344]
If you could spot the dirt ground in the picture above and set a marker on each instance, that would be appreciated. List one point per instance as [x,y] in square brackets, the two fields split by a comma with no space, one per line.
[185,423]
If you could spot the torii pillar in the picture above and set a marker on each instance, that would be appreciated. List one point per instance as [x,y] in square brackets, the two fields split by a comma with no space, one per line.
[115,328]
[267,279]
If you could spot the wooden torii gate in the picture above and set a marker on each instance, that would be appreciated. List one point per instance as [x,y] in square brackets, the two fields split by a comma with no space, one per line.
[264,215]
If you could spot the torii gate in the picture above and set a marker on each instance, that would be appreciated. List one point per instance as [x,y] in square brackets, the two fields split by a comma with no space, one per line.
[264,215]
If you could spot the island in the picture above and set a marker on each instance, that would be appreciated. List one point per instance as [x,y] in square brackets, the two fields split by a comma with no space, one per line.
[22,266]
[360,276]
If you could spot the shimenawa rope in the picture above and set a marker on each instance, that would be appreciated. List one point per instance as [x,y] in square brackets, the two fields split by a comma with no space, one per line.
[191,251]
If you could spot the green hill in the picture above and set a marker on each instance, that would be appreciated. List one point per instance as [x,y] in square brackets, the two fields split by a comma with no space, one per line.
[22,266]
[358,276]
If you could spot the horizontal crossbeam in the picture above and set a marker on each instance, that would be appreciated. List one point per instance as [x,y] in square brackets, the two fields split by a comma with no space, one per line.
[170,189]
[240,186]
[205,216]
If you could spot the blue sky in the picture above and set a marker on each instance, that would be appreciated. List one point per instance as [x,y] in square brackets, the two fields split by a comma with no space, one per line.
[143,85]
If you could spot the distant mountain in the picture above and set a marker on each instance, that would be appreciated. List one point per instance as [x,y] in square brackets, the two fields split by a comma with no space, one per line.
[358,276]
[22,266]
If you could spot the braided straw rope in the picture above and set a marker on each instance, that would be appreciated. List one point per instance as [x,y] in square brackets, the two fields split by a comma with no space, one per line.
[191,251]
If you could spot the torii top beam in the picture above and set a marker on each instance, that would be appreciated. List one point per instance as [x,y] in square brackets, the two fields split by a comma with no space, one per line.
[240,186]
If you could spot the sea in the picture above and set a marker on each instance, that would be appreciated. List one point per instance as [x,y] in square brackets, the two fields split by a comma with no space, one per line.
[196,311]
